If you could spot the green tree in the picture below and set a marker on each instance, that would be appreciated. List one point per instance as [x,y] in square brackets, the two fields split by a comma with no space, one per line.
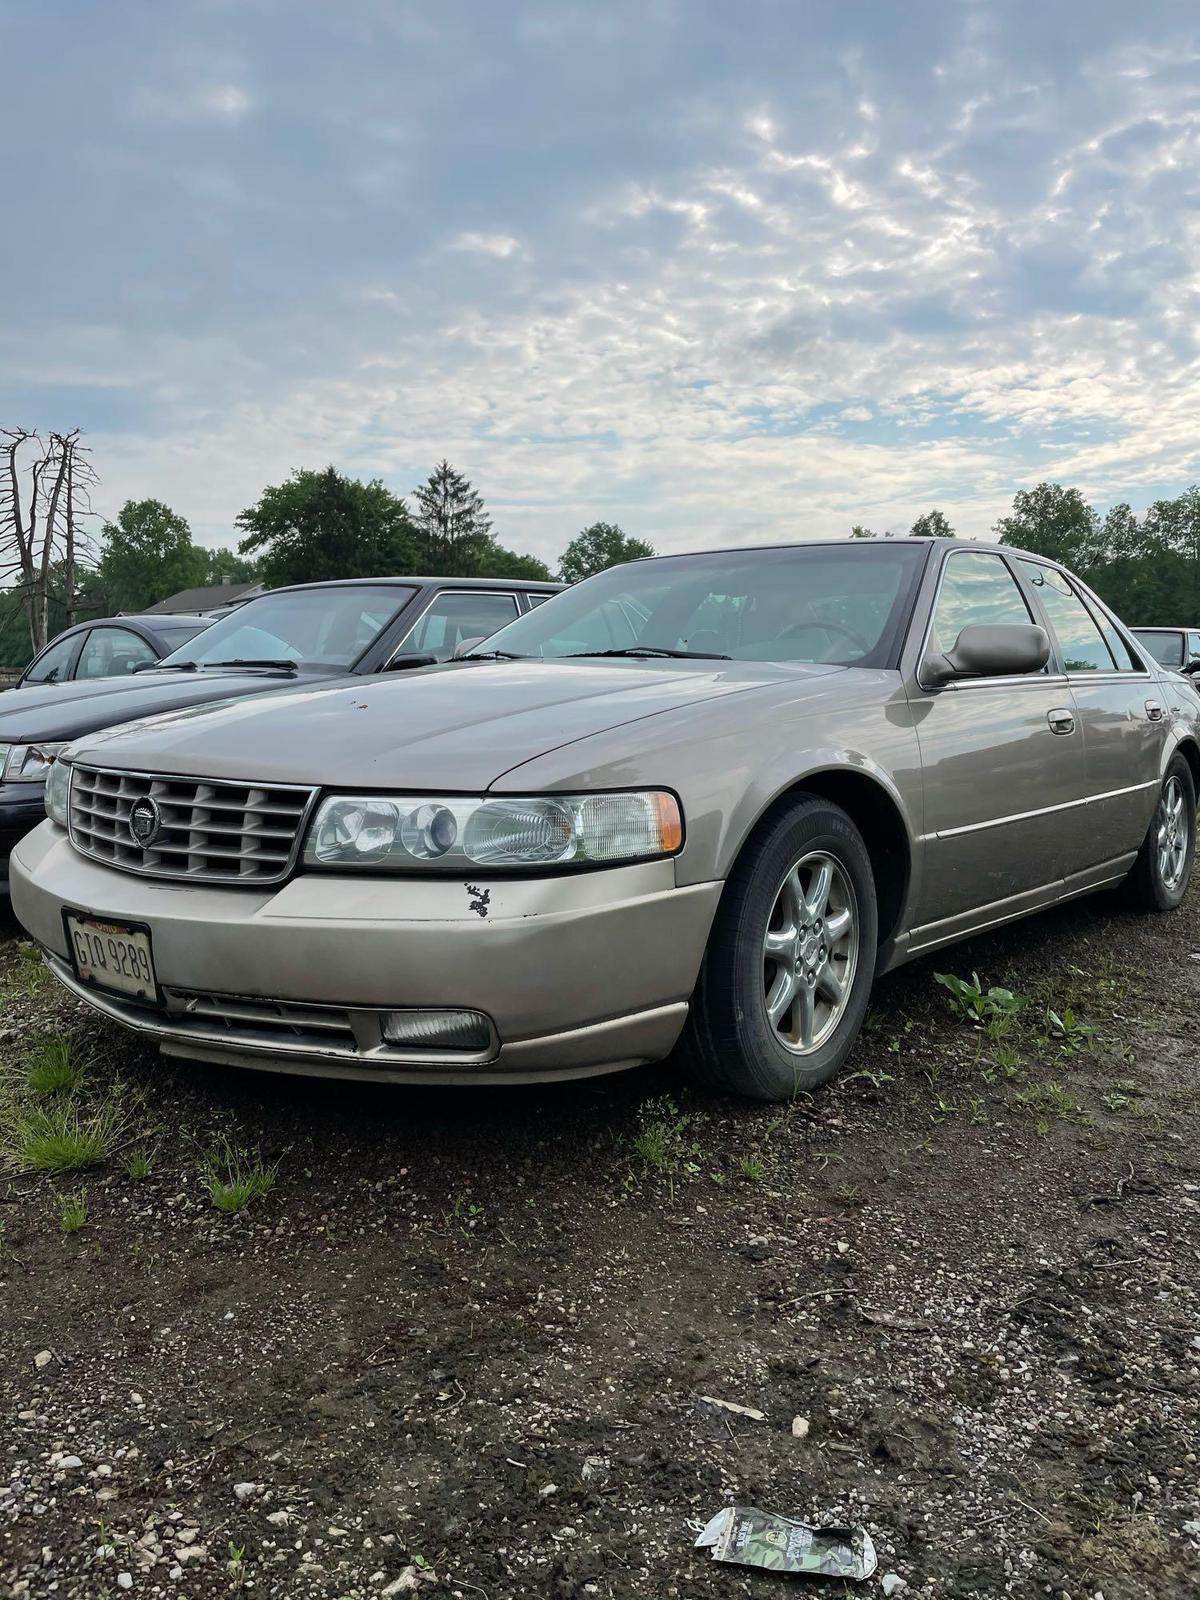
[502,563]
[225,565]
[1171,529]
[600,546]
[932,525]
[453,529]
[1054,522]
[859,532]
[145,555]
[324,525]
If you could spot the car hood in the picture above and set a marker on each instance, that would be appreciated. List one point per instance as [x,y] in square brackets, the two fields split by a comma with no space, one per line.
[70,710]
[456,727]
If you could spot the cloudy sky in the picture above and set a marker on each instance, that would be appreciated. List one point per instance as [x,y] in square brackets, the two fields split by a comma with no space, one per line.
[718,271]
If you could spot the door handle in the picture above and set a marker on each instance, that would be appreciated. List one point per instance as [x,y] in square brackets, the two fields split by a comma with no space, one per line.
[1061,720]
[1154,711]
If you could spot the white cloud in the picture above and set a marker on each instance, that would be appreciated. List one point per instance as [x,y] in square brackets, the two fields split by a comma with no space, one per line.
[498,245]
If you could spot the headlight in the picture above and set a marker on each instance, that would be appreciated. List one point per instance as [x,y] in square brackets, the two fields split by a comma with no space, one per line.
[30,763]
[58,791]
[415,833]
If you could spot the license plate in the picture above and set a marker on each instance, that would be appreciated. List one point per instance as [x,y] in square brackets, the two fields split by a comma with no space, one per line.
[113,955]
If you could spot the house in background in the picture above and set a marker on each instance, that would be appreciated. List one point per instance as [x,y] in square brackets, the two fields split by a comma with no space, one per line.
[207,598]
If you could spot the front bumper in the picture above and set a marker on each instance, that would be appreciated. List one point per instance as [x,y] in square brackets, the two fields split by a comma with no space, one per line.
[22,807]
[580,973]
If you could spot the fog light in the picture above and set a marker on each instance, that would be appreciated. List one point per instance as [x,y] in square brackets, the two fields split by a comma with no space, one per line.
[438,1030]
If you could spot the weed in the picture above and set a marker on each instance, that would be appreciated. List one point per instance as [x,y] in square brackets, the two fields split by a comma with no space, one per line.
[973,1004]
[875,1079]
[31,975]
[752,1169]
[72,1211]
[54,1138]
[1068,1030]
[140,1164]
[978,1109]
[465,1215]
[663,1140]
[234,1178]
[1008,1061]
[1050,1097]
[51,1071]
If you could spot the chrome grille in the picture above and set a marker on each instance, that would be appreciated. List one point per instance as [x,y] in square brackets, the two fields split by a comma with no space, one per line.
[211,831]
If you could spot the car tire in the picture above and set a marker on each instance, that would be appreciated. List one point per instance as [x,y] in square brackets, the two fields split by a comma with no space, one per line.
[772,935]
[1158,879]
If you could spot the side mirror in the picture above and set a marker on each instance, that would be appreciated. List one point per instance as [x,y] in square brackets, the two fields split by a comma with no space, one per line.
[1191,669]
[404,663]
[466,645]
[989,650]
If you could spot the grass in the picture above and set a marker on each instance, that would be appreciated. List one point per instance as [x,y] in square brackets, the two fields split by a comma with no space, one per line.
[752,1169]
[234,1178]
[30,975]
[51,1071]
[140,1165]
[72,1211]
[55,1138]
[663,1140]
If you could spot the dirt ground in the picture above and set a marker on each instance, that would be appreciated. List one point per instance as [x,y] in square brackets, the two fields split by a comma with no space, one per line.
[461,1345]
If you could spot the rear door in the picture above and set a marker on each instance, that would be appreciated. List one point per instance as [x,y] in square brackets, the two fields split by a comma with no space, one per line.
[1002,764]
[1122,713]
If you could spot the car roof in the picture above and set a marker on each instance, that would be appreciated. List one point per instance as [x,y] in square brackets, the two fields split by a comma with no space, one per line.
[540,585]
[929,541]
[1162,628]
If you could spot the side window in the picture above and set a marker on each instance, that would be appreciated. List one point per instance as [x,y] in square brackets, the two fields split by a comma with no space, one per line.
[1079,639]
[111,652]
[1117,647]
[536,599]
[1164,648]
[975,588]
[1193,649]
[54,664]
[454,617]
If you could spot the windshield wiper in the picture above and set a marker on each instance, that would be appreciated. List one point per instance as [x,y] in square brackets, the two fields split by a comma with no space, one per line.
[657,650]
[276,666]
[172,666]
[492,655]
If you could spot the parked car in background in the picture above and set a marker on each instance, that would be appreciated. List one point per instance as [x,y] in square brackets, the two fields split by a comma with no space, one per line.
[1177,648]
[110,647]
[301,635]
[713,792]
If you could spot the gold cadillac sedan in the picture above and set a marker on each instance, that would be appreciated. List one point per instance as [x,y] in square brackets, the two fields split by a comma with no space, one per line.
[697,799]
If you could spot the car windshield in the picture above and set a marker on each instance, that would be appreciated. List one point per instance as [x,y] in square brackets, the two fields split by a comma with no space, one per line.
[327,628]
[1165,647]
[844,604]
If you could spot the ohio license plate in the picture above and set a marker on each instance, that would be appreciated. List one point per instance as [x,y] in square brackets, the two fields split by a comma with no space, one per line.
[113,955]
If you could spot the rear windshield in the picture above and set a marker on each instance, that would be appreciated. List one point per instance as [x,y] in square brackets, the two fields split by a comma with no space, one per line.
[845,604]
[315,627]
[1165,647]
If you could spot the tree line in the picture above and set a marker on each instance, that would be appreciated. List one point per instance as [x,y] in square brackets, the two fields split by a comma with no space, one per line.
[324,524]
[315,525]
[1146,568]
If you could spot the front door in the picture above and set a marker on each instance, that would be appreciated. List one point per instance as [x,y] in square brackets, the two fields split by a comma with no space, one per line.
[1003,765]
[1123,713]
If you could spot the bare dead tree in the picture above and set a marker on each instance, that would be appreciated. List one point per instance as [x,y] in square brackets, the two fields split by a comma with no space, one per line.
[44,491]
[79,479]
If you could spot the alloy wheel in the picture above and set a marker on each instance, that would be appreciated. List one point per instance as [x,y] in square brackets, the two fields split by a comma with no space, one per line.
[1173,836]
[810,952]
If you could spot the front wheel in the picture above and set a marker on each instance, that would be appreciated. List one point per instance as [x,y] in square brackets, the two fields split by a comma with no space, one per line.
[791,957]
[1159,877]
